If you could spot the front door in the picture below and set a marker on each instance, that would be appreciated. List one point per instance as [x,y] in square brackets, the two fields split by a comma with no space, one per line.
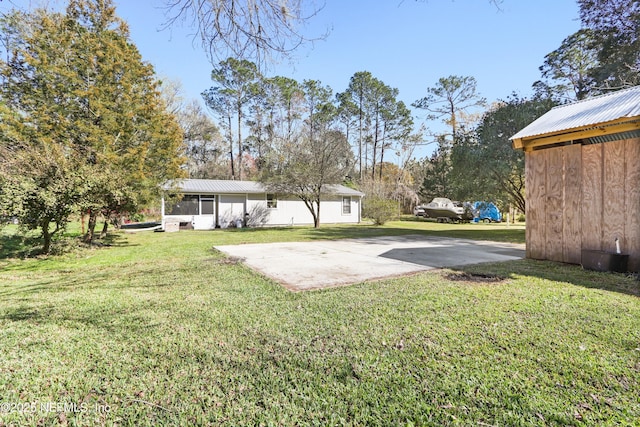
[207,219]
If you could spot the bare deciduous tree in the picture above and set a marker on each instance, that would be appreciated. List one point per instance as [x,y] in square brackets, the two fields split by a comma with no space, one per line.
[257,30]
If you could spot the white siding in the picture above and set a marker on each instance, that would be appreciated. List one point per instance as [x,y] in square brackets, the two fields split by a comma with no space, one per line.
[293,211]
[204,222]
[331,211]
[230,208]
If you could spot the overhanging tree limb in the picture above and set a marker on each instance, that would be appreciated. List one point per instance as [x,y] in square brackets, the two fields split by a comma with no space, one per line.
[257,30]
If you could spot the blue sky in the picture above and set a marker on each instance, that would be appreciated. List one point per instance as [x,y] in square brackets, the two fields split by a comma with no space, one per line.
[407,44]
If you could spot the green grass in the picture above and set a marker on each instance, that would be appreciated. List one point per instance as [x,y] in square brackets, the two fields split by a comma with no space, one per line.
[163,330]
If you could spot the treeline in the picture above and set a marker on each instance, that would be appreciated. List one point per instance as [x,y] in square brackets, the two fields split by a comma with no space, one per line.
[257,114]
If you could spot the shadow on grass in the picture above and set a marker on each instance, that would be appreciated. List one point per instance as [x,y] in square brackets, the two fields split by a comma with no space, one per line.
[110,320]
[16,245]
[559,272]
[116,239]
[300,233]
[27,313]
[353,232]
[61,280]
[19,246]
[56,282]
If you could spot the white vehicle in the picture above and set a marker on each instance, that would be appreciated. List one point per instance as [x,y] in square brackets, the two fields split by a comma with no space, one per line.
[444,209]
[420,211]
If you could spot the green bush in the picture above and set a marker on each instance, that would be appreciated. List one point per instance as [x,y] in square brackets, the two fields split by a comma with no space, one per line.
[380,210]
[137,217]
[520,218]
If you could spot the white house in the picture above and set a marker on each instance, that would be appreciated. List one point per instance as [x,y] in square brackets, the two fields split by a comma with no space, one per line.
[208,204]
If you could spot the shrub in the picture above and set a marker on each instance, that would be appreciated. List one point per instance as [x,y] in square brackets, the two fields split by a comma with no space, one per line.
[137,217]
[380,210]
[520,218]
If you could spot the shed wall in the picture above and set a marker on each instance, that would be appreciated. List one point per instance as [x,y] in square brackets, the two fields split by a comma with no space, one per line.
[632,202]
[583,197]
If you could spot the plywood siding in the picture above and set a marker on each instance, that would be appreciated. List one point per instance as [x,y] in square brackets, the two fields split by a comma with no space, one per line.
[632,203]
[553,200]
[583,197]
[613,196]
[571,219]
[591,216]
[535,176]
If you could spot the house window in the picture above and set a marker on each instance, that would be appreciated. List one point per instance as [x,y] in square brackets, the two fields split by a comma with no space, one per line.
[207,205]
[188,205]
[346,205]
[272,201]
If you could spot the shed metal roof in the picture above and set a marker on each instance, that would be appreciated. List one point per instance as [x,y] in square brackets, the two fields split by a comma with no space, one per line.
[597,110]
[221,186]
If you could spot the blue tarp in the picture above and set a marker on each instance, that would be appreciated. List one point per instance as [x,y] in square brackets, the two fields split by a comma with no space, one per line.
[486,211]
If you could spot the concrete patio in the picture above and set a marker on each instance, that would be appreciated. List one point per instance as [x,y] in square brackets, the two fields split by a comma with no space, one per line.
[326,263]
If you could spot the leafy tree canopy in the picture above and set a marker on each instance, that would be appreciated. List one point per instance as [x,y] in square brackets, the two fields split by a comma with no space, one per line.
[80,94]
[567,71]
[616,29]
[449,99]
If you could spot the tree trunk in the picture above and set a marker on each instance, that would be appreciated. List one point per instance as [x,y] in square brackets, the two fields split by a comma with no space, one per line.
[233,171]
[381,160]
[240,143]
[375,147]
[316,217]
[105,227]
[314,213]
[384,135]
[360,138]
[91,226]
[46,237]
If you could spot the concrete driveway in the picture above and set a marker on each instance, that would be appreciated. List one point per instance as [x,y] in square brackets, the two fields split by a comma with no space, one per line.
[325,263]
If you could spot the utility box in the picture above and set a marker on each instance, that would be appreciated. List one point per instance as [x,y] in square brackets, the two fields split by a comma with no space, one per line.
[171,226]
[604,261]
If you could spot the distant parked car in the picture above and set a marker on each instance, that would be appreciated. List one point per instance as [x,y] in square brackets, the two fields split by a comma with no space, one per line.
[420,211]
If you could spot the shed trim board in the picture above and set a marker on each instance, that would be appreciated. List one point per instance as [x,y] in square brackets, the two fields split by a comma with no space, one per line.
[576,135]
[583,179]
[209,204]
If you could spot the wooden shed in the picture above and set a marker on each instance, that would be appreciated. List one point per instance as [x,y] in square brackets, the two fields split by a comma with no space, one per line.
[582,163]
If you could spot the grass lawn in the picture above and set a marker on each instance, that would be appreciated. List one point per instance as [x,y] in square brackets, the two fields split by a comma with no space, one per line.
[159,329]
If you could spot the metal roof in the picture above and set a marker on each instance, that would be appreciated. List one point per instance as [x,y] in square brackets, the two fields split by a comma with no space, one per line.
[221,186]
[600,109]
[343,190]
[217,186]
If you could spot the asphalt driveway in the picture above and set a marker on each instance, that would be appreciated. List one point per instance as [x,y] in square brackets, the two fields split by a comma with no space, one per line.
[319,264]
